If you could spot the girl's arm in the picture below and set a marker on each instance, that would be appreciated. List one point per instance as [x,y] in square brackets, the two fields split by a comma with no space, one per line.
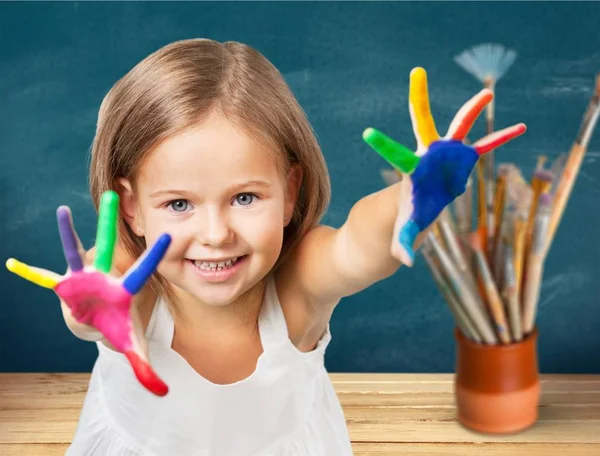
[330,263]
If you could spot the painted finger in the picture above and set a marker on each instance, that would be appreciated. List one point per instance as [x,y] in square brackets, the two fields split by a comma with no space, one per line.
[137,355]
[498,138]
[71,246]
[41,277]
[141,271]
[397,155]
[107,231]
[146,375]
[405,229]
[122,328]
[420,111]
[467,115]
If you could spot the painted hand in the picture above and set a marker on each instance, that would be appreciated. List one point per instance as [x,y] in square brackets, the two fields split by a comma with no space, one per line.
[97,298]
[438,171]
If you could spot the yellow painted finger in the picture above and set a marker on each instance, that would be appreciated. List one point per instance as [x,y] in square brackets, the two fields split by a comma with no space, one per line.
[420,111]
[38,276]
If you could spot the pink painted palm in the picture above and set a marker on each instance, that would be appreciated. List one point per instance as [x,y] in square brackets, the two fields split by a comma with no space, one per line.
[97,298]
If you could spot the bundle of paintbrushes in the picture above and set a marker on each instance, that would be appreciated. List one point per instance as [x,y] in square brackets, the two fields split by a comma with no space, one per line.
[490,274]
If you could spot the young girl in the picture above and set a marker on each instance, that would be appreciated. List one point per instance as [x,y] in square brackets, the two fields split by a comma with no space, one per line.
[204,141]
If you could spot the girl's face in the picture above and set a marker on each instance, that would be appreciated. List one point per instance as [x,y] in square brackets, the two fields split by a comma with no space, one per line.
[219,194]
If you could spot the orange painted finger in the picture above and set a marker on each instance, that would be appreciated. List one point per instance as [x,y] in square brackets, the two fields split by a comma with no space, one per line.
[467,115]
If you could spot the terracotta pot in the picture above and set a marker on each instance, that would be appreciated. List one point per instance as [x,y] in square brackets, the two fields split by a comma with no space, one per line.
[497,387]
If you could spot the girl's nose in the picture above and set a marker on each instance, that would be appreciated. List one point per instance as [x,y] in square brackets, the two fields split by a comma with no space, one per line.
[215,230]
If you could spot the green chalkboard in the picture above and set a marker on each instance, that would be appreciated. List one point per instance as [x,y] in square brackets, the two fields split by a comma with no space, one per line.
[348,64]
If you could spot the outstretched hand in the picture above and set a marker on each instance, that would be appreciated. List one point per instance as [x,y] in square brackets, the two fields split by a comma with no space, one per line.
[97,298]
[438,171]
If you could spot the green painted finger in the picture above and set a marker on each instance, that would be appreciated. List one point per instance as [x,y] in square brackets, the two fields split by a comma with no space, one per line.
[106,235]
[399,156]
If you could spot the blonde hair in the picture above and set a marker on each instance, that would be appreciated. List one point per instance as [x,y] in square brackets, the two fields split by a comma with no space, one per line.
[180,85]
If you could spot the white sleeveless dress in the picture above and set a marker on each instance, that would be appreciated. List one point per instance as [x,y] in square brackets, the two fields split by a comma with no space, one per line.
[287,407]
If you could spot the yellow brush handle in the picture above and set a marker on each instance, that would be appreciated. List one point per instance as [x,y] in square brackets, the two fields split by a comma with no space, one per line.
[39,277]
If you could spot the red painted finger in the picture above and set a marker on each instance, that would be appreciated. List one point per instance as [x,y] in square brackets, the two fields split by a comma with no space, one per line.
[498,138]
[146,375]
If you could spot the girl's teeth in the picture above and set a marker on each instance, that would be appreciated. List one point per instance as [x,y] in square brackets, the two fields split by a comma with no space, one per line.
[210,266]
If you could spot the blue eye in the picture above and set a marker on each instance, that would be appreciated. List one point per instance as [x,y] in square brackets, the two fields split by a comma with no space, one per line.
[179,205]
[244,199]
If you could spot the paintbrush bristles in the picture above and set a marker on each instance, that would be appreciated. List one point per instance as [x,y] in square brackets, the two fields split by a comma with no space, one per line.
[544,175]
[486,61]
[541,161]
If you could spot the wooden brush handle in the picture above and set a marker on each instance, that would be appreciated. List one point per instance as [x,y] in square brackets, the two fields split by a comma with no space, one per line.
[573,163]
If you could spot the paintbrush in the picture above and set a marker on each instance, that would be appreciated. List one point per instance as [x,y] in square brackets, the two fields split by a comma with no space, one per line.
[557,169]
[496,307]
[499,208]
[462,212]
[571,169]
[488,63]
[535,263]
[519,194]
[498,265]
[541,183]
[463,208]
[511,298]
[538,167]
[453,247]
[470,299]
[482,216]
[456,307]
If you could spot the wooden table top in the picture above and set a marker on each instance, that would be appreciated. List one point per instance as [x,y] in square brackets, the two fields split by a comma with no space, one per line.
[387,414]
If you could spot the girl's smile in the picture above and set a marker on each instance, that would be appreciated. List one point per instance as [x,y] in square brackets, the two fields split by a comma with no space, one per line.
[218,270]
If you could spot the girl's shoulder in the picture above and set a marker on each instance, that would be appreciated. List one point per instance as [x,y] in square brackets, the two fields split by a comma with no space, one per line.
[306,322]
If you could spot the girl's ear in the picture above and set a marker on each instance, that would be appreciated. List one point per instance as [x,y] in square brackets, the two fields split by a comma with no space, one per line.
[294,182]
[129,206]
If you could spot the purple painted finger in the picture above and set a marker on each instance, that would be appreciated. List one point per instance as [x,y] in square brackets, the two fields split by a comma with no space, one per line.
[68,238]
